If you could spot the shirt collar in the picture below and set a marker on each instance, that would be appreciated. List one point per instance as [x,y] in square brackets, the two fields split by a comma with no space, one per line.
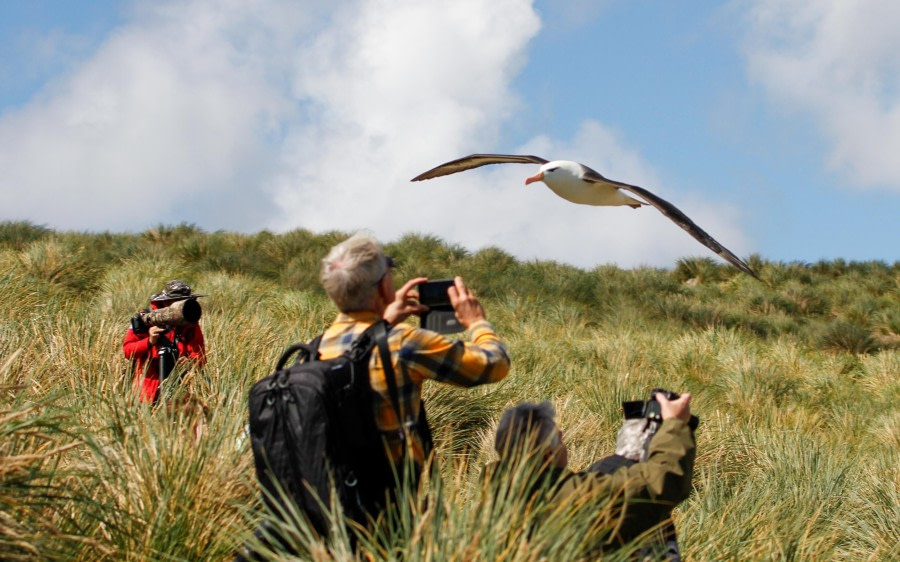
[357,316]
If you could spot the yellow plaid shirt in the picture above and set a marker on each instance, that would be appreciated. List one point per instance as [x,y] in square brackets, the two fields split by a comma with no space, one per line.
[417,355]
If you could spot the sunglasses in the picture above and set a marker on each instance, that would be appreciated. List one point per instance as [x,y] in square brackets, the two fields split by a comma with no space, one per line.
[389,261]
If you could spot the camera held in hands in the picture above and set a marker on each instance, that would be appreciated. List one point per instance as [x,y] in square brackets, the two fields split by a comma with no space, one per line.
[652,410]
[178,313]
[440,317]
[642,420]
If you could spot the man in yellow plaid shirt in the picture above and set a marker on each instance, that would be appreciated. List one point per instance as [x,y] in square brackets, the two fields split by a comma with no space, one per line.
[357,277]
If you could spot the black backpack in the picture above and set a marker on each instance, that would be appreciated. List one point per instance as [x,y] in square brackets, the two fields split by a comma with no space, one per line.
[312,425]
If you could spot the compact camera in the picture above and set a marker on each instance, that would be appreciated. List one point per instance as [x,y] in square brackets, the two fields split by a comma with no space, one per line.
[642,420]
[440,317]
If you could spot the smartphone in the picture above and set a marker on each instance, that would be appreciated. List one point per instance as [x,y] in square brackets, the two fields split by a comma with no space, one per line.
[441,317]
[433,294]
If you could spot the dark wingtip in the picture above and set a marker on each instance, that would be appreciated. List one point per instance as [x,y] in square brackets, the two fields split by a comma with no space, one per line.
[738,263]
[753,274]
[746,269]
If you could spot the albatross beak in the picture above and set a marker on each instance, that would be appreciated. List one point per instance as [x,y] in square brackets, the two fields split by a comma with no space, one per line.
[537,177]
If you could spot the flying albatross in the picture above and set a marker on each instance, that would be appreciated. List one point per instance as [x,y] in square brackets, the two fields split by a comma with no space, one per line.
[579,184]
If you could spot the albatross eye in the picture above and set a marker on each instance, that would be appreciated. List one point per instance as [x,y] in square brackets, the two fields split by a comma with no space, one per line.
[553,169]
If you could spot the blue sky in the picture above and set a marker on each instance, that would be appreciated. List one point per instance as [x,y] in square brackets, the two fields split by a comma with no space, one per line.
[775,125]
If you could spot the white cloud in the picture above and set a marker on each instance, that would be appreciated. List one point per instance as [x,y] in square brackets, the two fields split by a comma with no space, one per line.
[167,121]
[838,61]
[281,114]
[396,86]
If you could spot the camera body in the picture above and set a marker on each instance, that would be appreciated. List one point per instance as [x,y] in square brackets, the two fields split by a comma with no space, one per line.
[652,411]
[440,317]
[642,420]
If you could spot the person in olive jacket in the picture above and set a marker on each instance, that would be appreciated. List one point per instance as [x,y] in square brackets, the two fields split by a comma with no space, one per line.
[648,490]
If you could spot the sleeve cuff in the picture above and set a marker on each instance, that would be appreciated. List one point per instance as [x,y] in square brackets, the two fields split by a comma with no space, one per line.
[674,423]
[480,327]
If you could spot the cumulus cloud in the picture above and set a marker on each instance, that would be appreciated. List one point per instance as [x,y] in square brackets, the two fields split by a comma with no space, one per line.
[245,115]
[170,119]
[838,61]
[398,86]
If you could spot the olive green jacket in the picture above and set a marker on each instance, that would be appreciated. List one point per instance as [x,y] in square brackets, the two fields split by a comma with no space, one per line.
[648,490]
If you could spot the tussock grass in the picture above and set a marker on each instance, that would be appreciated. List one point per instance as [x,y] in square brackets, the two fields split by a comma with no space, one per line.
[795,382]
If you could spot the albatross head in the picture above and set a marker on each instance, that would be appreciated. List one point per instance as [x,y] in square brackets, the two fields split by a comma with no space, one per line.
[557,171]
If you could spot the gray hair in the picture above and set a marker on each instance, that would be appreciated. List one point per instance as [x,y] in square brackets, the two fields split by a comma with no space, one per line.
[351,271]
[528,427]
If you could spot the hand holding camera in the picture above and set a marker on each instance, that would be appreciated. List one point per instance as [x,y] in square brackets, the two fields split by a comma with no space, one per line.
[451,306]
[643,419]
[405,302]
[443,305]
[155,332]
[672,406]
[467,307]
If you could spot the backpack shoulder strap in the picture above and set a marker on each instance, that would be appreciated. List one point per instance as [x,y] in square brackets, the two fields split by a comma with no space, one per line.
[421,423]
[377,335]
[381,337]
[315,343]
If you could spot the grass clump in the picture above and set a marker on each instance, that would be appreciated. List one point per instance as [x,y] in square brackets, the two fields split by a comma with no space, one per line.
[18,234]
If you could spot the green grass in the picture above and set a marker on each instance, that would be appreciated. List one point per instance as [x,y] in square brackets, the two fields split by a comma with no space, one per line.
[795,381]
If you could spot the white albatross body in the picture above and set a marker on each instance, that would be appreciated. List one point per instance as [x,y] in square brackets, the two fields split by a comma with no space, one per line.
[579,184]
[566,179]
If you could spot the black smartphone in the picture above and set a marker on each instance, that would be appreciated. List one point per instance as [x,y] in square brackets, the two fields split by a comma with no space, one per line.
[433,294]
[440,317]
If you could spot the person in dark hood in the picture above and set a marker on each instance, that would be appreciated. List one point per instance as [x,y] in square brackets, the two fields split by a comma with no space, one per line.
[155,349]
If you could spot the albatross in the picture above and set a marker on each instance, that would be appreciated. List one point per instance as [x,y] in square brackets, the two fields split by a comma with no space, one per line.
[579,184]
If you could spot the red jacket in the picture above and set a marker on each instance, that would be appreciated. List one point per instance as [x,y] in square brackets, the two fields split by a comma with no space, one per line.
[146,375]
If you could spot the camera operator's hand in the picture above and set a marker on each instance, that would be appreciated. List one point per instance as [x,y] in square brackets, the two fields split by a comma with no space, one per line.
[467,307]
[155,331]
[679,408]
[405,302]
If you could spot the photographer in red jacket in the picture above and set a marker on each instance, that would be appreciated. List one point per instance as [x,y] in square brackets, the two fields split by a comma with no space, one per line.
[155,349]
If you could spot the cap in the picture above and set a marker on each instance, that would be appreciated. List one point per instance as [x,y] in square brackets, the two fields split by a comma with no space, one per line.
[176,290]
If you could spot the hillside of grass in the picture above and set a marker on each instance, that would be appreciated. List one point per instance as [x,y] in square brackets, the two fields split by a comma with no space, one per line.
[795,381]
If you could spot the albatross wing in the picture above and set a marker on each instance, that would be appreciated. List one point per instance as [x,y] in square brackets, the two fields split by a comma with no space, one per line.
[476,161]
[678,217]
